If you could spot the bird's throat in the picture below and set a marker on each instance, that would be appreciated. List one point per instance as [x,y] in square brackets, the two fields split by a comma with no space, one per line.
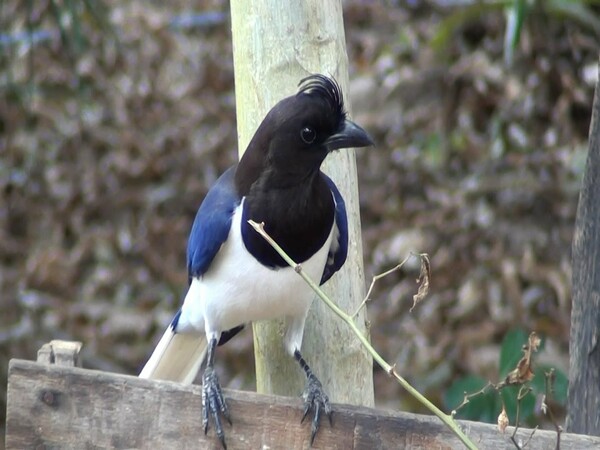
[299,217]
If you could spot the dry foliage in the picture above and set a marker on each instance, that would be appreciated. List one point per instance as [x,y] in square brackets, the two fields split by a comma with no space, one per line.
[105,161]
[524,370]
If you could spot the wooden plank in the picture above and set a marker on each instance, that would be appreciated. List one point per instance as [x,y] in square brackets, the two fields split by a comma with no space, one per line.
[57,407]
[584,371]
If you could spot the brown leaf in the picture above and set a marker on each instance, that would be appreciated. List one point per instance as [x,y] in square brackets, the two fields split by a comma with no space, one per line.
[502,420]
[524,371]
[423,280]
[534,342]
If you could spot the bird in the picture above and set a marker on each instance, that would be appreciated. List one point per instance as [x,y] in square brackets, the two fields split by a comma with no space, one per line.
[235,277]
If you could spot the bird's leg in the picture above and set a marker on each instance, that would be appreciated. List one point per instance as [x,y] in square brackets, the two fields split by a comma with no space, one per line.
[314,397]
[212,396]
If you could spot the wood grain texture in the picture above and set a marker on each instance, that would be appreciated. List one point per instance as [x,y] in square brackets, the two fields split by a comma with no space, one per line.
[63,353]
[59,407]
[276,44]
[584,373]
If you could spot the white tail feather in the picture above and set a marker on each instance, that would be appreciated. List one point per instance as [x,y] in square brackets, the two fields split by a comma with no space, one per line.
[177,357]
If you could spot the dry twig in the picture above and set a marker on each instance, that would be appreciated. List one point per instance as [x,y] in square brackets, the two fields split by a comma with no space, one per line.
[447,419]
[423,281]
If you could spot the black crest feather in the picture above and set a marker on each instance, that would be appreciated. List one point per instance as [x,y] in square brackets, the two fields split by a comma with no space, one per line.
[325,88]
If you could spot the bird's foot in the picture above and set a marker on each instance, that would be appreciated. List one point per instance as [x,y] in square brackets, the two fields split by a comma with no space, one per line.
[213,403]
[315,399]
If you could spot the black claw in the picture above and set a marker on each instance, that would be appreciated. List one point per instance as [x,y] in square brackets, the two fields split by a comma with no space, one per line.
[314,427]
[213,404]
[306,410]
[315,399]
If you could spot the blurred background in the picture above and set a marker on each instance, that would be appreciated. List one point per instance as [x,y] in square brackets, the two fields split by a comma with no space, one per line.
[117,116]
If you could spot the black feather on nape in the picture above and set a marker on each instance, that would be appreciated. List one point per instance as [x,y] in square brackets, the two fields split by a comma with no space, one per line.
[326,88]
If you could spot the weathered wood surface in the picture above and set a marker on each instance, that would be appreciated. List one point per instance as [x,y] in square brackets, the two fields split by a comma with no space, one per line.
[584,372]
[276,44]
[62,353]
[58,407]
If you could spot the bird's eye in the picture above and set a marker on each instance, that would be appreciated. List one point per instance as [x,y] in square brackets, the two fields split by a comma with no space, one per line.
[308,135]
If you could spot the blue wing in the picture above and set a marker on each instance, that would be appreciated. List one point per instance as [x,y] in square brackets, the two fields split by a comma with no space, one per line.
[339,247]
[212,223]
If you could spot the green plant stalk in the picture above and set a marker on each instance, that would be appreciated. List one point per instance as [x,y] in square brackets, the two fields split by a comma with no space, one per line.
[390,370]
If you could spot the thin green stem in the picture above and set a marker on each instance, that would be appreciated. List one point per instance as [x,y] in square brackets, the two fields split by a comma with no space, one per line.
[390,370]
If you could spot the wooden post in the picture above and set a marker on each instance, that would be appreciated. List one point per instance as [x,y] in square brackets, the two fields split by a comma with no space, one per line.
[275,45]
[584,374]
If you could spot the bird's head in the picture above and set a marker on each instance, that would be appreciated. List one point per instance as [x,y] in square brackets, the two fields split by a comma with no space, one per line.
[298,133]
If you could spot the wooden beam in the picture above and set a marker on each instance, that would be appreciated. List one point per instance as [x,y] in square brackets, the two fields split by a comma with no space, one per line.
[51,406]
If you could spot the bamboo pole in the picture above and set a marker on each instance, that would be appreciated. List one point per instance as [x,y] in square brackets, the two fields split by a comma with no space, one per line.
[276,44]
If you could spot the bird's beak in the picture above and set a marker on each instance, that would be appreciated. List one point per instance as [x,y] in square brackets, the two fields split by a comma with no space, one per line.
[351,135]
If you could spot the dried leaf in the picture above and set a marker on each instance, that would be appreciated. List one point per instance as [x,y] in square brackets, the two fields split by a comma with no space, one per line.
[502,420]
[534,342]
[544,406]
[423,280]
[524,371]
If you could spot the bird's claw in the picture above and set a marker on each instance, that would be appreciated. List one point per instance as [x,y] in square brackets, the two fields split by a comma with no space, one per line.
[316,399]
[213,403]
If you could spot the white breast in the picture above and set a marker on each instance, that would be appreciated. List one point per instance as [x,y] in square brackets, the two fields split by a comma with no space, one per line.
[238,289]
